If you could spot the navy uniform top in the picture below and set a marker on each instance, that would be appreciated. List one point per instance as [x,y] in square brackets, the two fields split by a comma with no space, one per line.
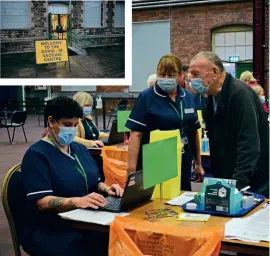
[48,171]
[199,101]
[155,110]
[91,131]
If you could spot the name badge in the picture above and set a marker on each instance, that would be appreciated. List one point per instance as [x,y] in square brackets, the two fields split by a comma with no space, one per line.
[189,110]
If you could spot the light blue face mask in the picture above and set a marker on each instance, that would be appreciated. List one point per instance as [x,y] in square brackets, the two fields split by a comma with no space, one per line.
[167,84]
[262,98]
[87,111]
[197,85]
[66,135]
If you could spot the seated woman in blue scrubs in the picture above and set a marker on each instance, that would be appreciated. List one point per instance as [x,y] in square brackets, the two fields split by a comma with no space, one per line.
[166,106]
[60,175]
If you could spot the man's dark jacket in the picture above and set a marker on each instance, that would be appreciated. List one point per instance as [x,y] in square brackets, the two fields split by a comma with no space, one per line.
[239,136]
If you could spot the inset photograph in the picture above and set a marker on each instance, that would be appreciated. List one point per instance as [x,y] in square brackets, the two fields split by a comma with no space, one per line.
[63,39]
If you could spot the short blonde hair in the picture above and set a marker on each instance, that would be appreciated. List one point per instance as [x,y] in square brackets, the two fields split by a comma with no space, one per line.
[258,89]
[248,77]
[169,64]
[83,98]
[151,80]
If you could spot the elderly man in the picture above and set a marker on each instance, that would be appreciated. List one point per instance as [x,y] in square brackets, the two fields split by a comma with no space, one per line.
[235,120]
[151,80]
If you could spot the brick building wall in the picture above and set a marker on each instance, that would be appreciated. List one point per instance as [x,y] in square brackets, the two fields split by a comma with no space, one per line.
[22,40]
[108,34]
[192,26]
[110,104]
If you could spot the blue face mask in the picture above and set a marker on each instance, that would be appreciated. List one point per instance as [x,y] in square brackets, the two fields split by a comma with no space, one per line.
[87,111]
[262,98]
[167,84]
[66,135]
[197,85]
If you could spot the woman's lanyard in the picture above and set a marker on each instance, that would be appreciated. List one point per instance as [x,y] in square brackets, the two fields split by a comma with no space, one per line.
[180,115]
[78,167]
[91,129]
[81,170]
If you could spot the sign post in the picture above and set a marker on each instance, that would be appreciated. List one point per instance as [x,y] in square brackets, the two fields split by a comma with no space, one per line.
[51,51]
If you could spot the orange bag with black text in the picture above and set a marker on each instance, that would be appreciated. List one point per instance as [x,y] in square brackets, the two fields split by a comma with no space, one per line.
[115,165]
[134,237]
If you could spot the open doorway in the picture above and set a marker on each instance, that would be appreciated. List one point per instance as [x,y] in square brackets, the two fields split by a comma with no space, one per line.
[59,21]
[60,25]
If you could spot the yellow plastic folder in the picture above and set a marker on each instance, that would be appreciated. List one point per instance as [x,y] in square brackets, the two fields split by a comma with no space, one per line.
[172,187]
[199,113]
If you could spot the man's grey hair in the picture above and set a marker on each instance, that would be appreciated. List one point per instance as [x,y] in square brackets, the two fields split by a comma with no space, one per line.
[211,57]
[151,80]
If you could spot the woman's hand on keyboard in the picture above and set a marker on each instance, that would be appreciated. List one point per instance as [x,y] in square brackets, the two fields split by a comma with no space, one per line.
[92,200]
[115,190]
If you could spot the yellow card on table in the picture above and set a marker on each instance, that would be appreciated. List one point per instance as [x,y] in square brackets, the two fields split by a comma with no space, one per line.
[193,217]
[172,187]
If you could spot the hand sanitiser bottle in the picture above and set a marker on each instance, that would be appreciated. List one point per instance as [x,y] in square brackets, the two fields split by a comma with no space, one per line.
[205,143]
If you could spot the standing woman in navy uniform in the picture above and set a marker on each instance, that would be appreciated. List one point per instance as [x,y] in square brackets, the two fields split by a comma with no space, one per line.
[60,175]
[166,106]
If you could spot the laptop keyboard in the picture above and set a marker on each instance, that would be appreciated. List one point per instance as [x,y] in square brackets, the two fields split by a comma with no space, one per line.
[113,205]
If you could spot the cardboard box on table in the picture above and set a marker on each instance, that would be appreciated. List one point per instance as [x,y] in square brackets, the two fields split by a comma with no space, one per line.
[220,195]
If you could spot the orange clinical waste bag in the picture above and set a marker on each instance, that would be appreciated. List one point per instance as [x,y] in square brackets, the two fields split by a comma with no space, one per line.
[133,237]
[115,165]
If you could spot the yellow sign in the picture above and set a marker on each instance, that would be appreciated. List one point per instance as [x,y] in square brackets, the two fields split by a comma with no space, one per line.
[51,51]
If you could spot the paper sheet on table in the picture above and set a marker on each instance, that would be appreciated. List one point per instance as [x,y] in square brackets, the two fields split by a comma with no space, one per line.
[89,216]
[254,228]
[184,198]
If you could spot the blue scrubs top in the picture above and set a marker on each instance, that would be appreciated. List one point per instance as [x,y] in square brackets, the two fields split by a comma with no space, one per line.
[48,171]
[155,110]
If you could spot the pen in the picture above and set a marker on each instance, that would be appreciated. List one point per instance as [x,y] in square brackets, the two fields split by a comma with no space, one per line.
[245,189]
[265,205]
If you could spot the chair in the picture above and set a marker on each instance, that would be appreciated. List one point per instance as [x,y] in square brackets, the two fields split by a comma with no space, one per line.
[13,105]
[13,200]
[17,120]
[121,106]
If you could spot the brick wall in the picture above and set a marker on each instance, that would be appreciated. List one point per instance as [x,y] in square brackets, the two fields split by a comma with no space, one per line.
[110,104]
[191,26]
[22,40]
[107,21]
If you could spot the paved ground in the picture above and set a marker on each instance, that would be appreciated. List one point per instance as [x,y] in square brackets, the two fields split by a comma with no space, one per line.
[100,62]
[11,155]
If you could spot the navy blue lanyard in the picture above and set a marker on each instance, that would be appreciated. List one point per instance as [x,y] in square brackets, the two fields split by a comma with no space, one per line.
[91,129]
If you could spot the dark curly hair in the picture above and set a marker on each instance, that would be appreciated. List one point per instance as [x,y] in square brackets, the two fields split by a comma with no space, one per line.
[62,107]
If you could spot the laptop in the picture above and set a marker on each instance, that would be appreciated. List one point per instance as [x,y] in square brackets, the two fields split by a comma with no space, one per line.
[134,195]
[115,137]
